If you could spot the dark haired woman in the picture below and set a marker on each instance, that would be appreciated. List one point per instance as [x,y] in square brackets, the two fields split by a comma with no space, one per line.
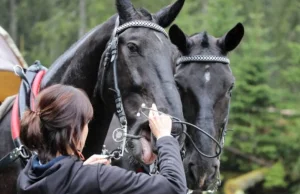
[57,130]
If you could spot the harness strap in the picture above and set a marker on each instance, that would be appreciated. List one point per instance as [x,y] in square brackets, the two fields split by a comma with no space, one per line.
[15,121]
[15,118]
[25,90]
[9,158]
[31,90]
[36,88]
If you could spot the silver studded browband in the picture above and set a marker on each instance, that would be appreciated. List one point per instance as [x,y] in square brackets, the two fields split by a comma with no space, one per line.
[203,58]
[141,23]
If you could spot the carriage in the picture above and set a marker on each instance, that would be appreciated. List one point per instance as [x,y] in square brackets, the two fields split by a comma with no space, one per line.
[9,57]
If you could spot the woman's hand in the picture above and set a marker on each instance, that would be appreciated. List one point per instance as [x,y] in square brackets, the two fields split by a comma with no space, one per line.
[97,159]
[160,125]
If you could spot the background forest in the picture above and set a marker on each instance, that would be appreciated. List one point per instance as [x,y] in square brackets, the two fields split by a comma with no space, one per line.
[262,153]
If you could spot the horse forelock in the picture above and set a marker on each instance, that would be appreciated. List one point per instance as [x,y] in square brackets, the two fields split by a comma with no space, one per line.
[144,12]
[205,42]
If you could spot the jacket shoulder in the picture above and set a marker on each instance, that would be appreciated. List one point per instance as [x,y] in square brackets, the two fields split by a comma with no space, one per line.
[85,180]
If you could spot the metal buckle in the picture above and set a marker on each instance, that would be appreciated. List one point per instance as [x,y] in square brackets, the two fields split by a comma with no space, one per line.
[18,70]
[118,134]
[154,168]
[20,151]
[23,152]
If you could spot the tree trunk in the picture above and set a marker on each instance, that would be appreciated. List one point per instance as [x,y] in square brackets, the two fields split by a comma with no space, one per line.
[249,157]
[82,15]
[244,182]
[13,20]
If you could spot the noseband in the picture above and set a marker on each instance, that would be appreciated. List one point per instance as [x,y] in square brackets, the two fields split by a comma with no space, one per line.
[110,57]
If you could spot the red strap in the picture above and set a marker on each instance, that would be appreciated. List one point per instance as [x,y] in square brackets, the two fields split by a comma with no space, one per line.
[15,120]
[15,117]
[35,88]
[140,170]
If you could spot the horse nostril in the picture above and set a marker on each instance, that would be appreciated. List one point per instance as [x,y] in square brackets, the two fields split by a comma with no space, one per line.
[192,172]
[217,164]
[215,168]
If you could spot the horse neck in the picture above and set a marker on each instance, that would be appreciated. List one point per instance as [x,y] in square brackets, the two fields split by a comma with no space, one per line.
[79,65]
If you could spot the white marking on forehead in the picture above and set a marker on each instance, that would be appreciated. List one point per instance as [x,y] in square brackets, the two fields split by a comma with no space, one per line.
[158,37]
[207,74]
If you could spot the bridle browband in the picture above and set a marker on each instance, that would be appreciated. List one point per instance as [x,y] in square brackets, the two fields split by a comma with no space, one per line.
[143,24]
[202,58]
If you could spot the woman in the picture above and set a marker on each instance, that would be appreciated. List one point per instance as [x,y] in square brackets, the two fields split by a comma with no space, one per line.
[57,130]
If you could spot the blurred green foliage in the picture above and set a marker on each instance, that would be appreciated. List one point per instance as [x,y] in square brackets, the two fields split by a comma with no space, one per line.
[275,176]
[265,106]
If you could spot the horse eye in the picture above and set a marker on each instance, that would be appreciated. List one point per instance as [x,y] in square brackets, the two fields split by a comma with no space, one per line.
[230,89]
[132,47]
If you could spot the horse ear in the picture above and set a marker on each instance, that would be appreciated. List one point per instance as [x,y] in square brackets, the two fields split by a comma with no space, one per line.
[178,38]
[126,10]
[232,39]
[167,15]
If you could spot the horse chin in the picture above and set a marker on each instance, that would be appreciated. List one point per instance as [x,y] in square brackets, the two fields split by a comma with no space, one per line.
[194,191]
[197,187]
[194,187]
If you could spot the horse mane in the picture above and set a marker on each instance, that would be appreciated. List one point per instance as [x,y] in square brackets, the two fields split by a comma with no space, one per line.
[145,13]
[204,38]
[204,42]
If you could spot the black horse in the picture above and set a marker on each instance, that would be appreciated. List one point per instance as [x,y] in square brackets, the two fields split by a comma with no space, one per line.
[145,67]
[205,87]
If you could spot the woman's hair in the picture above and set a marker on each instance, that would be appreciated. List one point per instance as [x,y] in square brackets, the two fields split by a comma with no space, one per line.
[56,124]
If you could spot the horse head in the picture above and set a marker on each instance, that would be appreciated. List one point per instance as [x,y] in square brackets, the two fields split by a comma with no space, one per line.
[145,67]
[205,86]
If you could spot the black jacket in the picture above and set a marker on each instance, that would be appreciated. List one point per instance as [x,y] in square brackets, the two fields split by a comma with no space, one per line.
[67,175]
